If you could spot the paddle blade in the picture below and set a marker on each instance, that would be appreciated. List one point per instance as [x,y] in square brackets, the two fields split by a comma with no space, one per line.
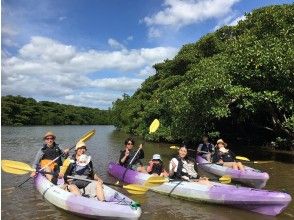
[261,162]
[242,158]
[225,179]
[154,126]
[88,135]
[174,147]
[16,167]
[156,180]
[135,189]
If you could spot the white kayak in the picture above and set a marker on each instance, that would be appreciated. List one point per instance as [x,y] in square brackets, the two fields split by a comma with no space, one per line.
[251,177]
[117,205]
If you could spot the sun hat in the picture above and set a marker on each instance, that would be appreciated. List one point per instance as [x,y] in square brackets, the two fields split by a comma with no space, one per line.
[83,160]
[220,141]
[156,157]
[49,133]
[80,144]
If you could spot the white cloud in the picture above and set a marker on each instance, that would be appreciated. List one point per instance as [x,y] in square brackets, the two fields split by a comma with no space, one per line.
[45,67]
[130,38]
[179,13]
[147,71]
[115,44]
[230,21]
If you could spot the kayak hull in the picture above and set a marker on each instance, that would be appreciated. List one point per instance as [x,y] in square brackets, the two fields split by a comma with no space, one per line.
[256,200]
[117,206]
[250,176]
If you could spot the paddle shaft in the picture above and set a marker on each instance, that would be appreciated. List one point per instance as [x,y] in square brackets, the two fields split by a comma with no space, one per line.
[88,180]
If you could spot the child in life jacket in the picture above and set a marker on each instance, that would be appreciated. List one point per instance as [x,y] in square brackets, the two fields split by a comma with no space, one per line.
[156,167]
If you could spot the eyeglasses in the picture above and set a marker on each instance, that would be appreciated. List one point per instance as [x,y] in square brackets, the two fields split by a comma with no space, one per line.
[130,143]
[49,138]
[82,148]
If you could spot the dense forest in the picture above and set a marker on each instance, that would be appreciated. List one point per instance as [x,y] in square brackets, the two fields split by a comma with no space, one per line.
[236,83]
[17,110]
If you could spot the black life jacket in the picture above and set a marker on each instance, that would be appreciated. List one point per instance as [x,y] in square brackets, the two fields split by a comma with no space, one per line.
[136,160]
[226,157]
[50,153]
[157,168]
[179,173]
[207,147]
[85,172]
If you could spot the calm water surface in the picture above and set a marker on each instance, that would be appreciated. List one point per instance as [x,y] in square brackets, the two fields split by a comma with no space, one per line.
[21,143]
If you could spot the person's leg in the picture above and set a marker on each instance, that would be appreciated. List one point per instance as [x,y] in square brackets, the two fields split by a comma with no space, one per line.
[240,166]
[74,189]
[230,165]
[99,191]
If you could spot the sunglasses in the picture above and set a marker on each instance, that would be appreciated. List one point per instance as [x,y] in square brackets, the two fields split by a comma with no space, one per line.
[49,138]
[130,143]
[82,148]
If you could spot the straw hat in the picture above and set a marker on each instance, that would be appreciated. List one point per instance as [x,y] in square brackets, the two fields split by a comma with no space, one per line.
[83,160]
[220,141]
[80,144]
[156,157]
[49,133]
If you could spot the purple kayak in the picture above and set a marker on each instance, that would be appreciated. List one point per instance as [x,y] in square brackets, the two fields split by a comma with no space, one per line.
[117,205]
[251,177]
[255,200]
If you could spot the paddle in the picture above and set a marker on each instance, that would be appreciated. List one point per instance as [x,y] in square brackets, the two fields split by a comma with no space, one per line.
[246,160]
[131,188]
[84,138]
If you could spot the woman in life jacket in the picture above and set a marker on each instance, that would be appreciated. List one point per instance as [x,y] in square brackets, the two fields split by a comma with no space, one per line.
[127,155]
[156,166]
[206,149]
[49,151]
[184,168]
[225,157]
[81,166]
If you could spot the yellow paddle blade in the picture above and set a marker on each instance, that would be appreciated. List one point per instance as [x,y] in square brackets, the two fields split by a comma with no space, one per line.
[87,136]
[16,167]
[174,147]
[154,126]
[156,179]
[134,192]
[135,189]
[225,179]
[242,158]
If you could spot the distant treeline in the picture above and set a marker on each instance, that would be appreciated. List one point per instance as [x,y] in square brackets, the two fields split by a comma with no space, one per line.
[236,83]
[17,110]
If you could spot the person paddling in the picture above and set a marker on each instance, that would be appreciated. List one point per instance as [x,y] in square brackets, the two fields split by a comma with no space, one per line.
[206,149]
[128,155]
[184,168]
[156,166]
[225,156]
[49,151]
[80,165]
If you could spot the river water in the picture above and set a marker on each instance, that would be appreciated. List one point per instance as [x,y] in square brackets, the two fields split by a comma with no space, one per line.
[21,144]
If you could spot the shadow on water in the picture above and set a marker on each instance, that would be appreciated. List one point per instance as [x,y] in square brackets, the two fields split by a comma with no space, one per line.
[21,143]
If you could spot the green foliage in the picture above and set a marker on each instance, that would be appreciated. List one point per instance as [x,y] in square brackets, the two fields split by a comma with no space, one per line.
[236,80]
[17,111]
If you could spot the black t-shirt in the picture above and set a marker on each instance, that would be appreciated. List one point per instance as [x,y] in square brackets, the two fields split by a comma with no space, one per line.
[139,156]
[226,157]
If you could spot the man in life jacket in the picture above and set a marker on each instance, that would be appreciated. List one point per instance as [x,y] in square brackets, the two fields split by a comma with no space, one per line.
[206,149]
[156,166]
[46,156]
[80,165]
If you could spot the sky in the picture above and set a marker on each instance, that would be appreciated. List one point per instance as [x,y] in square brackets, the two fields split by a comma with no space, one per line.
[89,53]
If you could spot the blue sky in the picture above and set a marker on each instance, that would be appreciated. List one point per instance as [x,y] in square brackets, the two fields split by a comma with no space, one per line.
[91,52]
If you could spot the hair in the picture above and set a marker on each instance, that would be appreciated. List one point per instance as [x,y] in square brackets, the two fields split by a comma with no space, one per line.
[129,139]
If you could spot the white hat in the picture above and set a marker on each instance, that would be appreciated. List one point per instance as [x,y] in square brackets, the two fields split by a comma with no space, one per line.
[156,157]
[80,144]
[83,160]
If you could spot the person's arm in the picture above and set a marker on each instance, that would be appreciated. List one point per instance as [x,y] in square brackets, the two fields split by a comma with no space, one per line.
[149,167]
[123,157]
[173,166]
[37,159]
[199,149]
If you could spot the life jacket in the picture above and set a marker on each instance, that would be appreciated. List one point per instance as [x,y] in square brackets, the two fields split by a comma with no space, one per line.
[183,170]
[226,157]
[49,154]
[136,160]
[206,147]
[82,171]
